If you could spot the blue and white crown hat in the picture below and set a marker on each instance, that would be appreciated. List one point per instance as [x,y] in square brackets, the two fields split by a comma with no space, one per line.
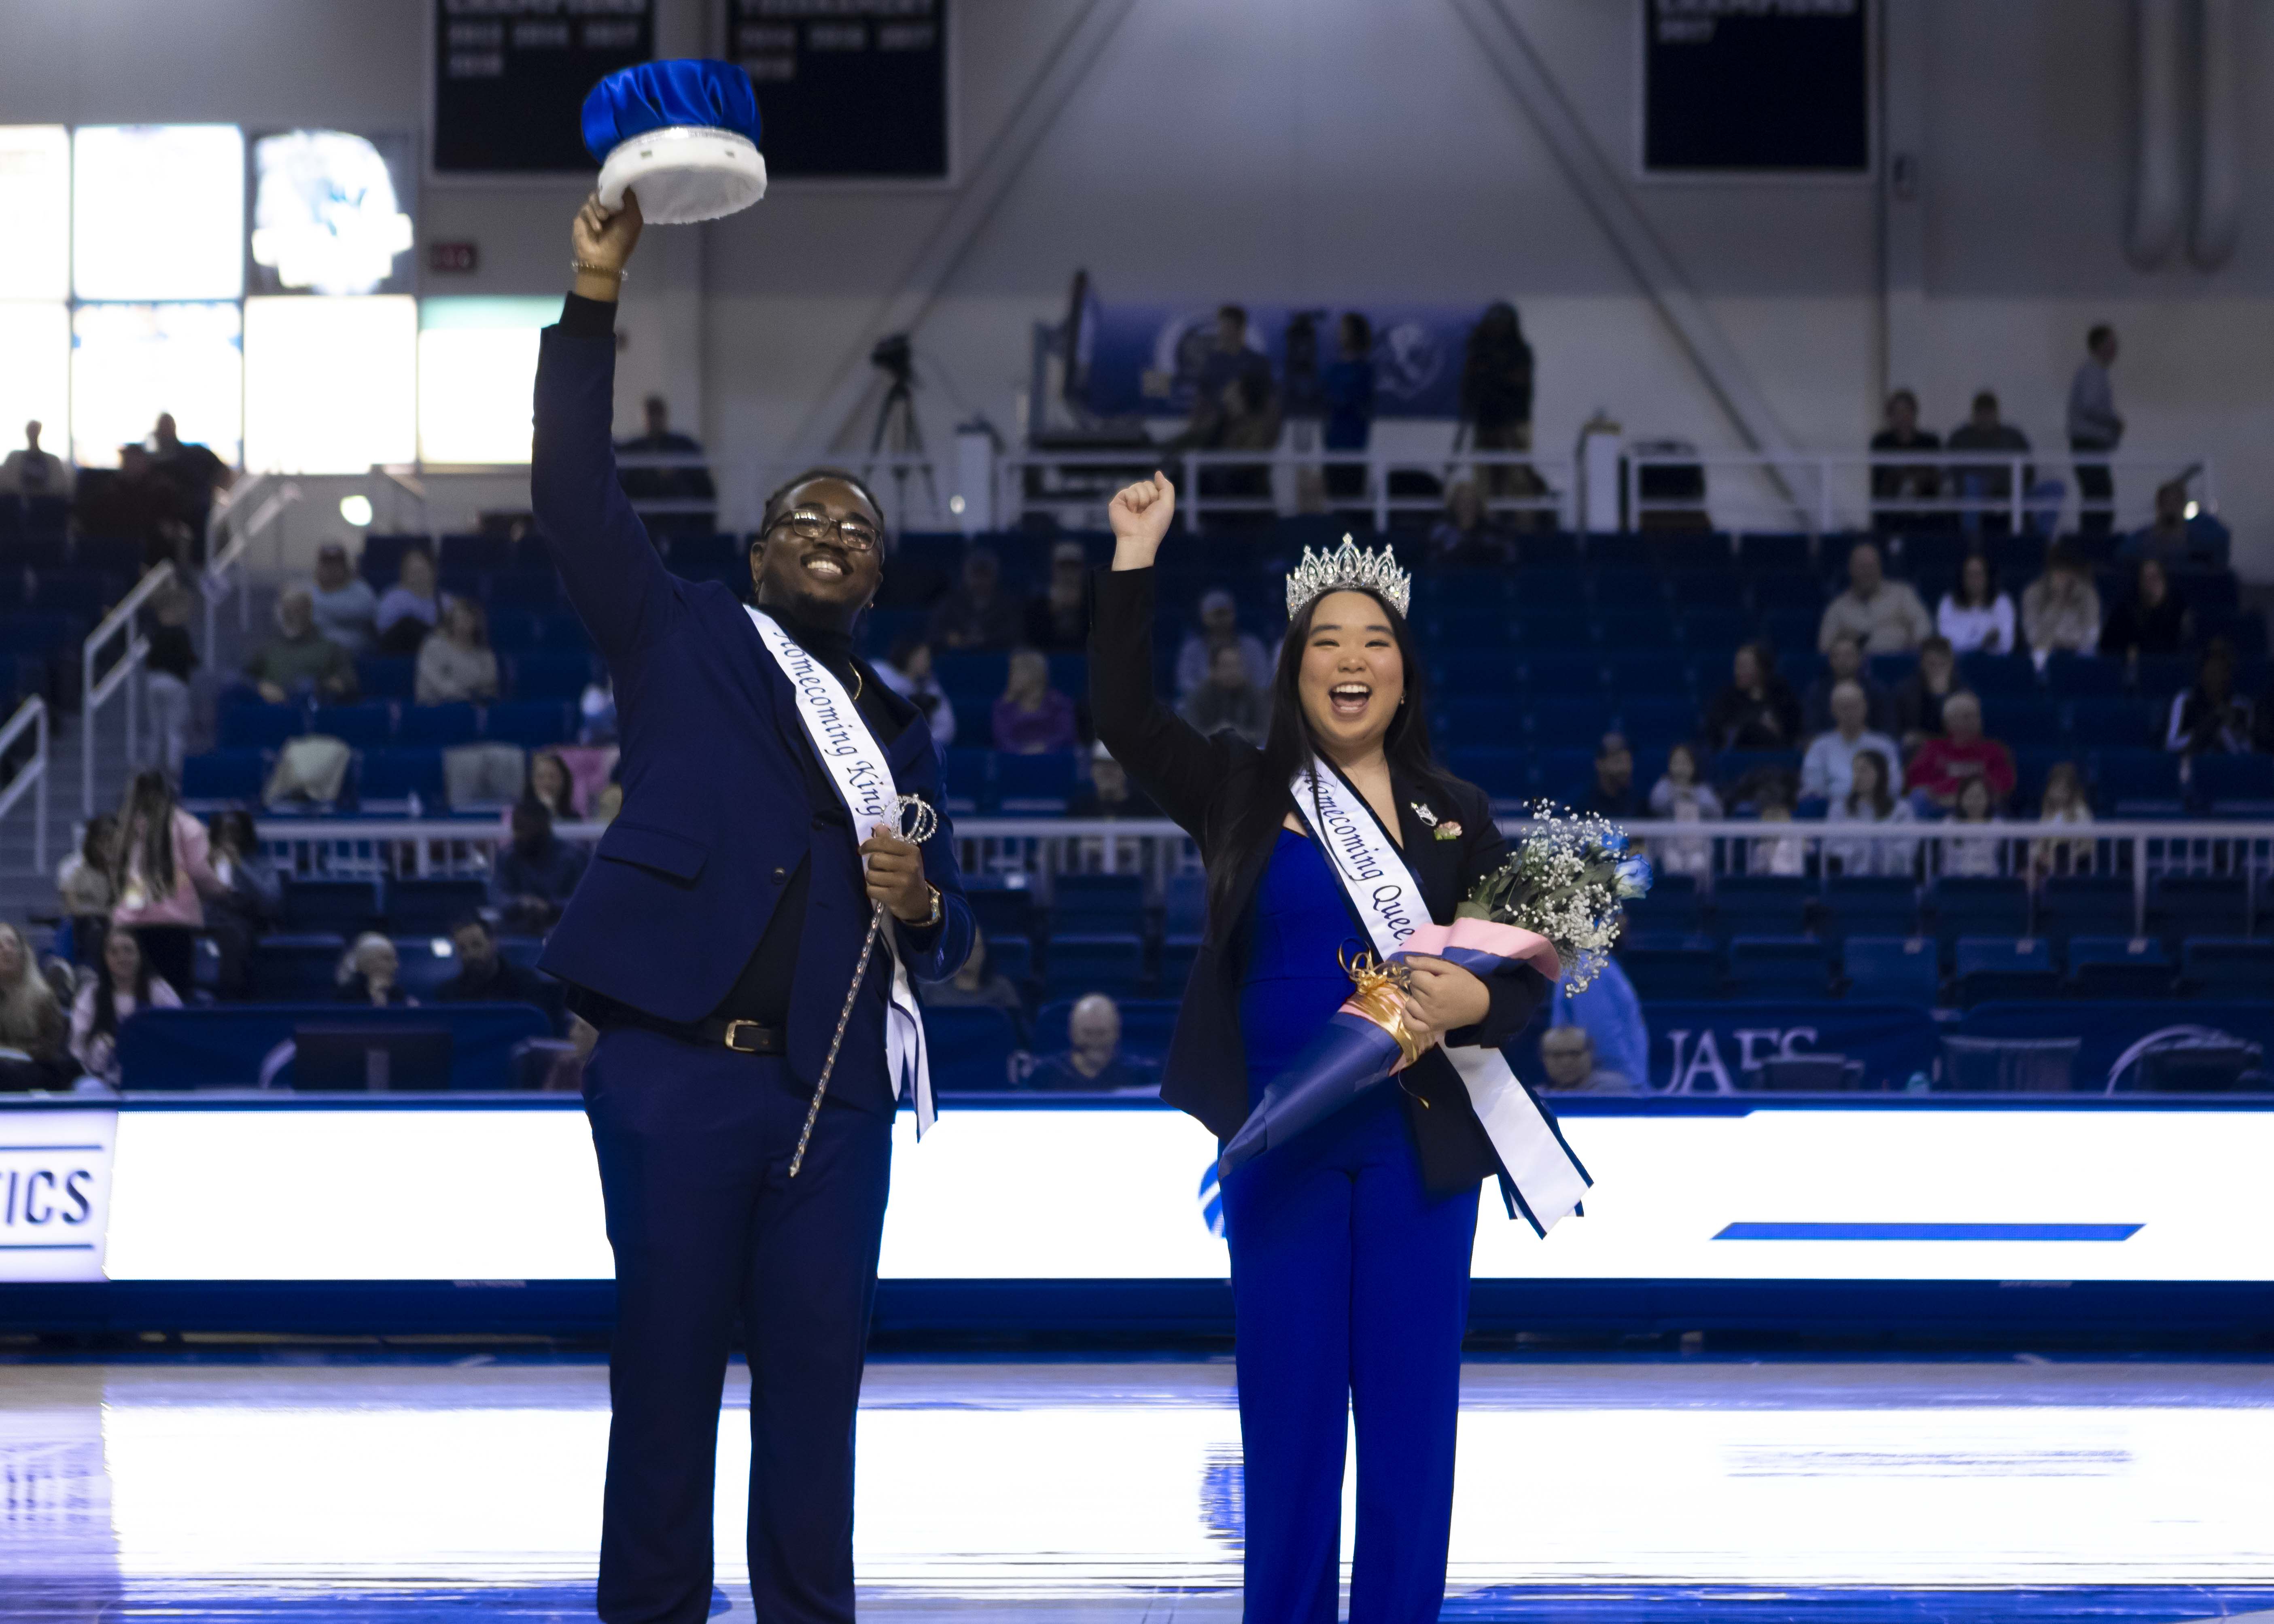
[683,134]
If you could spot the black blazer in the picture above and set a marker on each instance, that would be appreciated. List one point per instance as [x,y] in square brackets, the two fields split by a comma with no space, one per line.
[1201,783]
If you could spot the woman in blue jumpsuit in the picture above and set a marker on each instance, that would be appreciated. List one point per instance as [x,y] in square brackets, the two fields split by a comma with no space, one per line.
[1350,1243]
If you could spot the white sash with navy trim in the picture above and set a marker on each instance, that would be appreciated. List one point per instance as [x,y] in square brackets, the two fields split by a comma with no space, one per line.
[1544,1179]
[857,765]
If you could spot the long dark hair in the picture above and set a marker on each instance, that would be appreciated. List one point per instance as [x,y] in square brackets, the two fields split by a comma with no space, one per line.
[150,798]
[106,989]
[1291,743]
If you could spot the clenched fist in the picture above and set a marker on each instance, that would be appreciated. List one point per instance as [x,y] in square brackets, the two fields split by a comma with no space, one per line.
[1140,514]
[896,875]
[601,243]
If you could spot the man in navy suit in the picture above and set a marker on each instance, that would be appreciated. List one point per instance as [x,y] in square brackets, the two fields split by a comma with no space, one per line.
[712,941]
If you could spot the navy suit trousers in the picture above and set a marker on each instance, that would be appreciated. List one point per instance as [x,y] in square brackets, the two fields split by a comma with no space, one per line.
[708,1228]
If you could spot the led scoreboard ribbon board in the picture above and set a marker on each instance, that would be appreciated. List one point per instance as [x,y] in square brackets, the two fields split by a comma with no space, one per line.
[510,77]
[849,89]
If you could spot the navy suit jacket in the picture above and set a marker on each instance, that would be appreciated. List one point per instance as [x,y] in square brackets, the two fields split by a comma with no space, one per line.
[716,814]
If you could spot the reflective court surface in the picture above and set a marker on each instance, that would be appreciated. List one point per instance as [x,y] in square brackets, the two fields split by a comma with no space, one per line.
[303,1486]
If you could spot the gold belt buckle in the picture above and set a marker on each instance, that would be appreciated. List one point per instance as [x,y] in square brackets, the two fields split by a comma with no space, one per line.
[732,1025]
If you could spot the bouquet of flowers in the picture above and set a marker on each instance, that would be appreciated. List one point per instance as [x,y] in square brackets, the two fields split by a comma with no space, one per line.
[1554,903]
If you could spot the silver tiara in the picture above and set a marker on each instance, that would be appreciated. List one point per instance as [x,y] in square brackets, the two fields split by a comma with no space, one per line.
[1348,566]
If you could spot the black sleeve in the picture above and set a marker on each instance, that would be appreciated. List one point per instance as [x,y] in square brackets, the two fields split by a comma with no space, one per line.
[583,318]
[1169,759]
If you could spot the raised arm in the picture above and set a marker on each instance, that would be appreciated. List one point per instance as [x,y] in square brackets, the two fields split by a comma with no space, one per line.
[1167,756]
[618,584]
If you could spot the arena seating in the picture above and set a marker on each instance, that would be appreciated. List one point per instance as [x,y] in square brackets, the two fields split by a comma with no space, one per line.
[54,588]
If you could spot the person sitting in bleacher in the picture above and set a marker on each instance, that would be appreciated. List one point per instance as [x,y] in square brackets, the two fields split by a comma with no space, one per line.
[135,503]
[33,1031]
[250,903]
[123,983]
[1944,765]
[369,974]
[2150,621]
[1567,1055]
[908,671]
[1093,1063]
[1108,792]
[550,785]
[1229,701]
[535,873]
[484,974]
[1219,627]
[83,888]
[1784,855]
[300,660]
[2176,537]
[1827,773]
[1467,535]
[1844,663]
[1918,698]
[159,873]
[409,609]
[1886,616]
[1612,793]
[1973,856]
[347,610]
[2064,801]
[1032,717]
[457,663]
[975,615]
[977,984]
[1756,708]
[1984,432]
[1870,799]
[596,712]
[31,472]
[2060,609]
[1900,482]
[1976,614]
[1057,617]
[2211,717]
[1683,796]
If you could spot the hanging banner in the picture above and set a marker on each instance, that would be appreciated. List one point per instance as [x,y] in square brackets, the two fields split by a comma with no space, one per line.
[510,79]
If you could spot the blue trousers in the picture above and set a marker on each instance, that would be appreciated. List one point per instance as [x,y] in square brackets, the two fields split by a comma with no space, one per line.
[1351,1286]
[707,1227]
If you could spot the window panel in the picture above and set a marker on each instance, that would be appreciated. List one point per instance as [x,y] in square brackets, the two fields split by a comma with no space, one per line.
[477,375]
[35,202]
[158,211]
[330,384]
[131,362]
[36,375]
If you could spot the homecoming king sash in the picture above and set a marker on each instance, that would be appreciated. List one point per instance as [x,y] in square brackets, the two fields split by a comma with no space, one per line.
[1540,1177]
[857,766]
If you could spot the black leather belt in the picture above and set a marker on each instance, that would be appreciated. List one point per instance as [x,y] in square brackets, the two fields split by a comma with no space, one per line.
[742,1037]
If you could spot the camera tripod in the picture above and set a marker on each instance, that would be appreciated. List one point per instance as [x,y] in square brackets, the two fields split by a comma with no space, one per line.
[899,434]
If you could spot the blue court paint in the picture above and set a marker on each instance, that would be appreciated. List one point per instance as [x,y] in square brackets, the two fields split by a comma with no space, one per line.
[1928,1232]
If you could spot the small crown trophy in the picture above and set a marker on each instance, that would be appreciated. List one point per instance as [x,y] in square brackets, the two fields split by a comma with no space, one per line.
[684,134]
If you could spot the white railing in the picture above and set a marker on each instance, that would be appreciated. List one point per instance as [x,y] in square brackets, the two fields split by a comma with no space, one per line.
[1035,849]
[32,778]
[95,692]
[262,499]
[1826,493]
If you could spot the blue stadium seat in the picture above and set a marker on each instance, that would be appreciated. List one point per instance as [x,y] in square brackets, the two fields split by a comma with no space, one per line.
[363,727]
[116,555]
[1034,784]
[1673,906]
[2016,719]
[2136,783]
[1892,670]
[1552,549]
[1012,957]
[387,779]
[2226,967]
[422,968]
[1646,625]
[1931,552]
[531,723]
[1651,672]
[1762,905]
[1000,910]
[564,633]
[382,556]
[1620,549]
[2119,968]
[1778,966]
[1083,962]
[1794,593]
[1790,629]
[1570,721]
[2111,722]
[474,552]
[967,777]
[1692,972]
[2081,676]
[1707,589]
[513,631]
[1989,674]
[970,1048]
[1762,551]
[1563,632]
[430,907]
[387,676]
[224,778]
[1964,906]
[1557,672]
[523,588]
[1146,1024]
[2233,785]
[1563,775]
[336,908]
[1880,905]
[2199,905]
[1473,714]
[2086,904]
[1892,969]
[1504,774]
[438,726]
[1989,967]
[296,968]
[2015,558]
[1732,767]
[258,726]
[2157,677]
[1657,723]
[1097,903]
[551,674]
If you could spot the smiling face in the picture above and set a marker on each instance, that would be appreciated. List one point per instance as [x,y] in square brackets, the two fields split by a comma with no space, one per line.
[122,956]
[822,578]
[1352,677]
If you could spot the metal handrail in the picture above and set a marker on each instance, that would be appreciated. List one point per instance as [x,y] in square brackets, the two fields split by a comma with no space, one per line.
[33,714]
[94,694]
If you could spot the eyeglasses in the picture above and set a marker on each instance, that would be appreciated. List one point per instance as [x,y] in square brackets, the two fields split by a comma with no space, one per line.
[858,535]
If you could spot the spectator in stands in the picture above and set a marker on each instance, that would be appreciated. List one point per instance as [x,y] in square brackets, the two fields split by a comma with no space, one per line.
[607,804]
[1496,378]
[1032,717]
[34,472]
[2150,622]
[1219,627]
[1946,764]
[1756,708]
[1612,793]
[83,888]
[1845,663]
[249,903]
[978,985]
[1467,536]
[551,785]
[300,660]
[2211,717]
[136,504]
[457,663]
[1973,856]
[1904,482]
[1683,796]
[1347,387]
[2064,801]
[486,975]
[1567,1055]
[1976,614]
[1229,701]
[1110,794]
[534,873]
[347,610]
[160,871]
[2094,428]
[194,472]
[975,615]
[1918,698]
[908,672]
[1251,422]
[33,1033]
[2060,609]
[369,974]
[1231,361]
[2181,533]
[1885,615]
[1057,617]
[1093,1062]
[1783,854]
[1984,433]
[166,670]
[596,711]
[124,981]
[1827,773]
[410,608]
[1610,1013]
[1870,799]
[684,483]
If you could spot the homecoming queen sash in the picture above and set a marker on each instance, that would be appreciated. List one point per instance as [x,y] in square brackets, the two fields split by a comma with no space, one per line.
[1540,1177]
[857,766]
